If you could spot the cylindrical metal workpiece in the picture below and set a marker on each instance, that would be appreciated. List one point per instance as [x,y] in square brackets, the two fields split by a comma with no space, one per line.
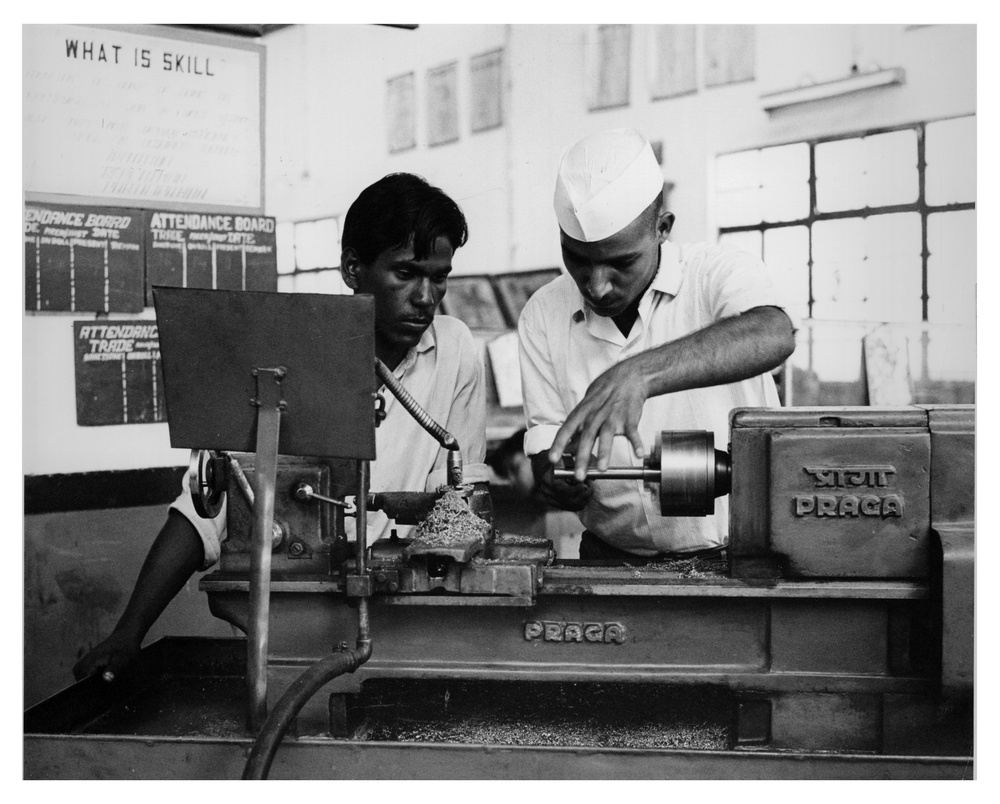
[689,481]
[690,470]
[614,473]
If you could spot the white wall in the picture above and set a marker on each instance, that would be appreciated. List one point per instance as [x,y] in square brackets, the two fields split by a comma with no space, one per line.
[52,442]
[326,143]
[326,129]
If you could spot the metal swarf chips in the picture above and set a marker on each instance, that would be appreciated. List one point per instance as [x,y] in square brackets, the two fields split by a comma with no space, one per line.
[451,523]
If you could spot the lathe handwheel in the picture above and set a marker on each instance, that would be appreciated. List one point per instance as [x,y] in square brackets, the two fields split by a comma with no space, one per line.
[207,483]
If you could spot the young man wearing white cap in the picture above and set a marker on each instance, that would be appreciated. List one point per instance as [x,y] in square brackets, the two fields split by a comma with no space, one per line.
[641,335]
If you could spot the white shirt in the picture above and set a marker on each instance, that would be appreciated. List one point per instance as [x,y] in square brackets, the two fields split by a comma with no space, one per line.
[444,373]
[564,347]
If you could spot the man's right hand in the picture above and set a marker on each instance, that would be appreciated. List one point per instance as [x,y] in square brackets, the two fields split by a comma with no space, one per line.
[568,495]
[115,653]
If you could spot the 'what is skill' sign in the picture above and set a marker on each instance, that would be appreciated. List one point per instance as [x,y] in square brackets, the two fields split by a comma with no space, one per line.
[119,379]
[142,116]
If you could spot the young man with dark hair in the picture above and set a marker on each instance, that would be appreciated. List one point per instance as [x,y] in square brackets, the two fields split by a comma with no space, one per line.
[641,335]
[398,240]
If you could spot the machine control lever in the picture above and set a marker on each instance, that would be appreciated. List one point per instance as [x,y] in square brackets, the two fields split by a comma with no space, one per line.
[305,492]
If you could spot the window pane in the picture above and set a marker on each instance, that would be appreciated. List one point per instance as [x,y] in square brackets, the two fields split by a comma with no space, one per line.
[286,283]
[951,353]
[786,254]
[891,168]
[840,175]
[739,207]
[284,246]
[836,353]
[317,244]
[951,267]
[307,283]
[748,241]
[950,153]
[894,273]
[838,253]
[868,269]
[332,282]
[738,189]
[738,171]
[785,174]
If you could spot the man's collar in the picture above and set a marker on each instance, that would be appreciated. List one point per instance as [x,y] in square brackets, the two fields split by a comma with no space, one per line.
[667,279]
[427,342]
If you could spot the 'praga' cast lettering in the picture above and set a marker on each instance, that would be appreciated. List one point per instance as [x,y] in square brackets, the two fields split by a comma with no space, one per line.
[857,504]
[558,631]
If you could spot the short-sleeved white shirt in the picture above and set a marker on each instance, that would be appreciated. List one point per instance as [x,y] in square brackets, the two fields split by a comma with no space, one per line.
[564,347]
[444,373]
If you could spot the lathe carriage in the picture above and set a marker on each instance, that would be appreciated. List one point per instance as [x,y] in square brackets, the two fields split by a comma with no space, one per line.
[839,622]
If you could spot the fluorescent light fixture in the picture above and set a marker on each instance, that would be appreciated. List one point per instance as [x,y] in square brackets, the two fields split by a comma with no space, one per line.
[833,89]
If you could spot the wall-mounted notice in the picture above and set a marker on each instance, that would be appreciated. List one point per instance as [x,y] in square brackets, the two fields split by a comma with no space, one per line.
[217,252]
[82,259]
[118,375]
[142,115]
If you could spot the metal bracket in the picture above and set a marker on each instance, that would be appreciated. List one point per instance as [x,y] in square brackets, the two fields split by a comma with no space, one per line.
[360,586]
[270,405]
[958,578]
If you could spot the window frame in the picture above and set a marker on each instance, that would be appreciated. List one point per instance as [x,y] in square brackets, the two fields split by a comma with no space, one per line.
[919,206]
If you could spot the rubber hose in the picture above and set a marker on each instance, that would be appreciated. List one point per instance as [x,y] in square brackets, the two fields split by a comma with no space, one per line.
[295,697]
[444,438]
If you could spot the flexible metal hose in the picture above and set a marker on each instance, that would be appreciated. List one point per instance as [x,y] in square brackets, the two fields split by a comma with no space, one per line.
[301,690]
[443,437]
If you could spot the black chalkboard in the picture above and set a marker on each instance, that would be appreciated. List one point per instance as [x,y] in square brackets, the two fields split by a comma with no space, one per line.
[83,259]
[119,379]
[211,251]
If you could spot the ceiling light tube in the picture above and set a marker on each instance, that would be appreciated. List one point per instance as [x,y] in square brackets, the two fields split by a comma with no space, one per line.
[833,89]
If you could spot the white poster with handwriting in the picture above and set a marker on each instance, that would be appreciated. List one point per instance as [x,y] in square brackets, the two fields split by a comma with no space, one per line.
[140,118]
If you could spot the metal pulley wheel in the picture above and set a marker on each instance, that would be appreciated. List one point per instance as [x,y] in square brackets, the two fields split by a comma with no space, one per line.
[692,472]
[207,483]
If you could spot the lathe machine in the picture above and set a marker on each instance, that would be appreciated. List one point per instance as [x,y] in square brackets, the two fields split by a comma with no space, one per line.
[844,622]
[841,623]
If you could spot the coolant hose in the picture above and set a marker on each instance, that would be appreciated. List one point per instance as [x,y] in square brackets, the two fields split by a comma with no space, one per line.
[443,437]
[295,697]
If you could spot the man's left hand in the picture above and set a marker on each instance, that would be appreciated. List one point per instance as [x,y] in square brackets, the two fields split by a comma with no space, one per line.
[611,407]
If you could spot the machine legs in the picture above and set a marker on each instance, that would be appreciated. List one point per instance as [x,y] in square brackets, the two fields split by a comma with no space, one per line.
[339,726]
[853,722]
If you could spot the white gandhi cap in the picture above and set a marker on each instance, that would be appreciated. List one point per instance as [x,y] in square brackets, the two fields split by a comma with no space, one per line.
[605,181]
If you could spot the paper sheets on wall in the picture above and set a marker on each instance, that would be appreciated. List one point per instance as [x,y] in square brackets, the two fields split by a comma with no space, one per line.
[506,369]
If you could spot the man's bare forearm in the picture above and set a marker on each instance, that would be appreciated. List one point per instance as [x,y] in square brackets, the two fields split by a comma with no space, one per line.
[728,351]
